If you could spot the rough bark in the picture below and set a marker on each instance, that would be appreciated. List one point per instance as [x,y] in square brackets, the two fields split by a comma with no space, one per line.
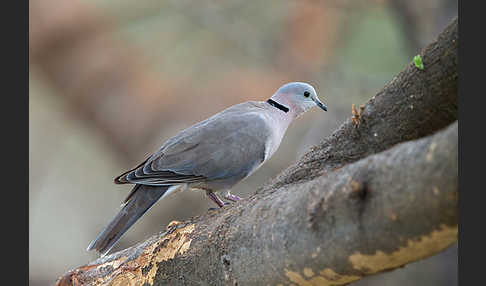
[413,104]
[346,210]
[374,215]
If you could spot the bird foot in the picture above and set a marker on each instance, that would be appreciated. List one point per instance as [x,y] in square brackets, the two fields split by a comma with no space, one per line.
[232,197]
[215,199]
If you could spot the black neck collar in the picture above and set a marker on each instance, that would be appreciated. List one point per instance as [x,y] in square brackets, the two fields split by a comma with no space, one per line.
[278,105]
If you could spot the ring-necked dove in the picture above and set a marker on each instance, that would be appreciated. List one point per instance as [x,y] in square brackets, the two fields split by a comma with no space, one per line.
[212,155]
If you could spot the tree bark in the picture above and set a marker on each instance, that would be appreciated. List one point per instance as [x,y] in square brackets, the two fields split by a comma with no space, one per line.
[413,104]
[355,205]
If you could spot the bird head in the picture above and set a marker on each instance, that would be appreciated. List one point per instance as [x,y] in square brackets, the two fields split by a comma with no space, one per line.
[298,97]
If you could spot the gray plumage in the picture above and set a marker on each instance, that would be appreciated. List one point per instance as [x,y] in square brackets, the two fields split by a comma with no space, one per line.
[212,155]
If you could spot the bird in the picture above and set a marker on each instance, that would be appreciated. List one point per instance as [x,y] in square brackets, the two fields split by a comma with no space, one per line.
[211,156]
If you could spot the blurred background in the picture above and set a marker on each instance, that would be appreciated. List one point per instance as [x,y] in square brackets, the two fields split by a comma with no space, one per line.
[111,81]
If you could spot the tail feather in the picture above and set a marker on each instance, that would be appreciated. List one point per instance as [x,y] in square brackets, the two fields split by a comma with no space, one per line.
[141,199]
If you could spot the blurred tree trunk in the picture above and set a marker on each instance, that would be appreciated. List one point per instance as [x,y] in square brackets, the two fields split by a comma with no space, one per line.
[104,79]
[359,203]
[422,20]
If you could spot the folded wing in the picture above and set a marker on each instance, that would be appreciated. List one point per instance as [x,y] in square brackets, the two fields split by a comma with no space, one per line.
[230,144]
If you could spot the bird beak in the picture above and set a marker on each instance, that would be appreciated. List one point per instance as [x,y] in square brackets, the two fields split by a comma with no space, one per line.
[320,104]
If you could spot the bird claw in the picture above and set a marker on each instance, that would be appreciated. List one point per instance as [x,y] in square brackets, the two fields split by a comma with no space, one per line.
[232,197]
[215,198]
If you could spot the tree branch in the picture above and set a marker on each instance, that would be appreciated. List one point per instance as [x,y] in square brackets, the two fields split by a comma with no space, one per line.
[377,214]
[413,104]
[348,214]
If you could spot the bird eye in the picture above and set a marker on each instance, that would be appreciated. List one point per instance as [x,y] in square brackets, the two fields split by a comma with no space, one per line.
[306,93]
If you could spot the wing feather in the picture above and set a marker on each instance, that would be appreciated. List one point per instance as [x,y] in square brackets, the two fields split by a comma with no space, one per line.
[228,144]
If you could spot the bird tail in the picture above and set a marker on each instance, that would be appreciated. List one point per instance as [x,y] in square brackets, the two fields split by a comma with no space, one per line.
[139,201]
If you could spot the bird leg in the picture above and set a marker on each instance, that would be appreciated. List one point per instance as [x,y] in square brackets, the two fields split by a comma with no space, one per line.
[215,198]
[232,197]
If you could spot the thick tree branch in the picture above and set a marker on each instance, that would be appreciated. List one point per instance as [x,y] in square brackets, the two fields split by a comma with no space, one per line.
[348,214]
[377,214]
[413,104]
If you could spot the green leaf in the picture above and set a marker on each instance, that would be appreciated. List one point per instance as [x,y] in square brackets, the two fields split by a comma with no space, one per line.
[418,62]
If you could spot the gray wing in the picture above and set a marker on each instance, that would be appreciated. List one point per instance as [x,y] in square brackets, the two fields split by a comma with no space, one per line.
[230,144]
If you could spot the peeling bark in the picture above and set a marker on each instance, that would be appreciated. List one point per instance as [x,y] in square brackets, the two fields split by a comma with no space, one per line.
[356,205]
[373,215]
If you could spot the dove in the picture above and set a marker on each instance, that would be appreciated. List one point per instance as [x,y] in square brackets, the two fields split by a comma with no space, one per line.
[211,156]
